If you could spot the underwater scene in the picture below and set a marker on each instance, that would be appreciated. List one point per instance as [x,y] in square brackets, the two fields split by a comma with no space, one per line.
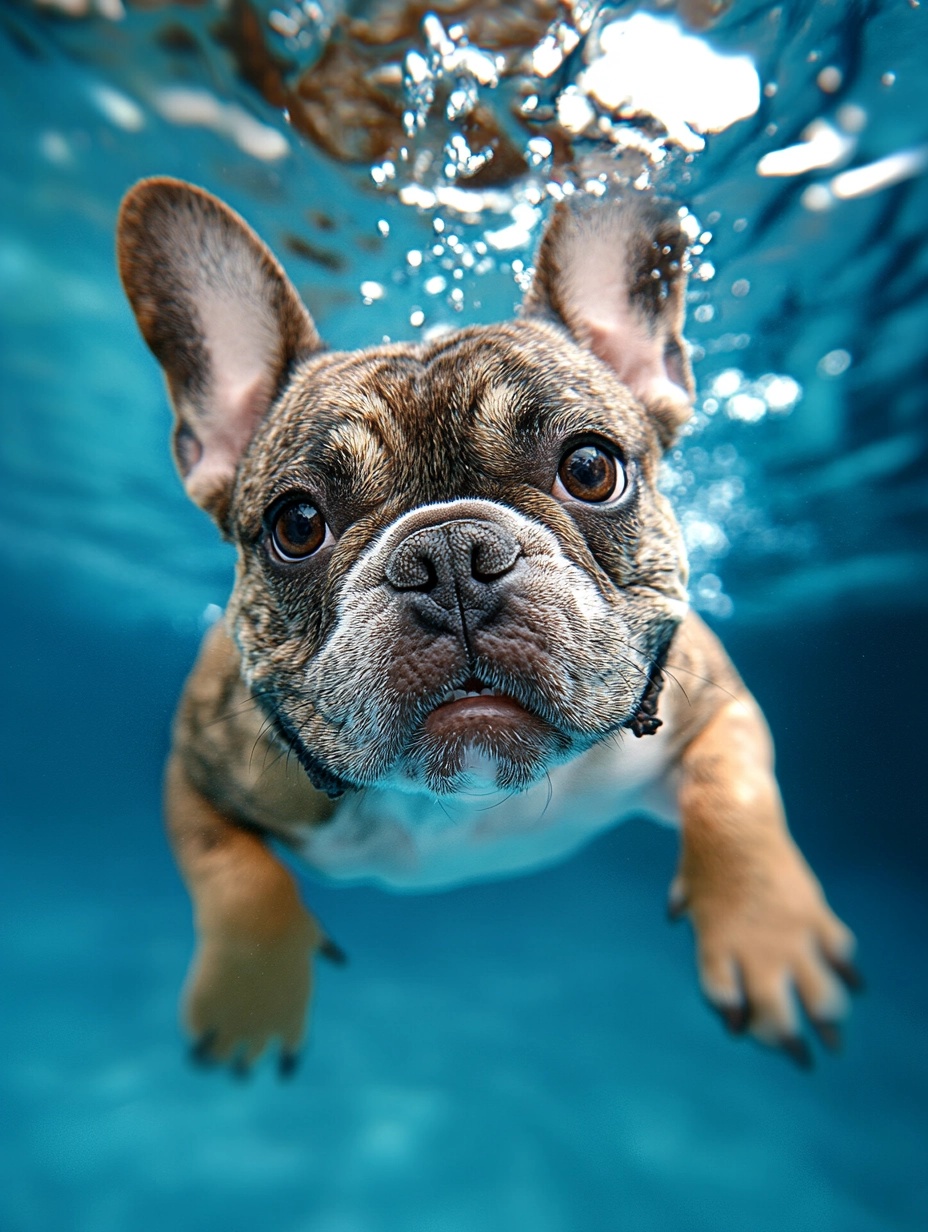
[507,1052]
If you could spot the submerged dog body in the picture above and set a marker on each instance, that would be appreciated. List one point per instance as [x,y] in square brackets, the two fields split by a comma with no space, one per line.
[458,587]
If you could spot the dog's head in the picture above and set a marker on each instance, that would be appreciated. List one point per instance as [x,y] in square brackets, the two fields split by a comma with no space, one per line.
[452,554]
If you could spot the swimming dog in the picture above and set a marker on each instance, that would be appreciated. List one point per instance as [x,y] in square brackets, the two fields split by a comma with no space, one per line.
[458,643]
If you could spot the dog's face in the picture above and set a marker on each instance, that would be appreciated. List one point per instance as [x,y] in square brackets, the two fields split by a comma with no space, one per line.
[453,556]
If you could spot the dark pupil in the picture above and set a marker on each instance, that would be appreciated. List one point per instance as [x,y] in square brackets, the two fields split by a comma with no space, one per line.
[299,530]
[589,474]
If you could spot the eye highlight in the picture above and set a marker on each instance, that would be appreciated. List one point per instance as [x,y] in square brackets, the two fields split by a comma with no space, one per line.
[297,530]
[590,473]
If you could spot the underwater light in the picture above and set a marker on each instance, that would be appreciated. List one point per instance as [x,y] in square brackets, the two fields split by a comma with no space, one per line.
[884,173]
[649,65]
[200,108]
[821,146]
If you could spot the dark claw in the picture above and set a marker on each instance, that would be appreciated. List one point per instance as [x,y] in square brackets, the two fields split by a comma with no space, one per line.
[676,909]
[829,1033]
[798,1051]
[241,1069]
[288,1064]
[735,1018]
[201,1051]
[334,953]
[844,968]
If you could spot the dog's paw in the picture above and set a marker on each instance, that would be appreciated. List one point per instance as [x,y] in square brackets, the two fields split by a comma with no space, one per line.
[241,996]
[767,949]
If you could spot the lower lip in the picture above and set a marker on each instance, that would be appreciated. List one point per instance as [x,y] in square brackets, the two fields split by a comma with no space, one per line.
[477,713]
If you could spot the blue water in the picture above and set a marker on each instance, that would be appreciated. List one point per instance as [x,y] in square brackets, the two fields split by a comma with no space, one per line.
[531,1053]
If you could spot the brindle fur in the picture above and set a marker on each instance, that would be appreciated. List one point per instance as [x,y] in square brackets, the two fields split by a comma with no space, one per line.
[322,679]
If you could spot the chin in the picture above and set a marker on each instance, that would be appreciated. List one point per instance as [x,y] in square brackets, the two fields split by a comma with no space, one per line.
[483,742]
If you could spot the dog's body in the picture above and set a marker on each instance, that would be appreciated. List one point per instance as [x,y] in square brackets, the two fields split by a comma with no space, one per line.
[458,597]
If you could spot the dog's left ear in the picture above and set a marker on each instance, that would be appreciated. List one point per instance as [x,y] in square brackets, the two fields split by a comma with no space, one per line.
[614,274]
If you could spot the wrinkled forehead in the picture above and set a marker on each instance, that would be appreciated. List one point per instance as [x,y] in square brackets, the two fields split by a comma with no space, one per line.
[438,421]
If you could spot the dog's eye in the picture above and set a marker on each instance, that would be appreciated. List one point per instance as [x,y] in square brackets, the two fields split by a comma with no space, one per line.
[299,530]
[590,474]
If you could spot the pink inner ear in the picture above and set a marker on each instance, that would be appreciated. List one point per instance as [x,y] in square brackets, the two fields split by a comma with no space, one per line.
[225,433]
[597,296]
[593,267]
[637,358]
[241,337]
[220,316]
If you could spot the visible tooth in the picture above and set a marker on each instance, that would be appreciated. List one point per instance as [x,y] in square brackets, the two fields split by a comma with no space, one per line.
[458,694]
[449,697]
[488,693]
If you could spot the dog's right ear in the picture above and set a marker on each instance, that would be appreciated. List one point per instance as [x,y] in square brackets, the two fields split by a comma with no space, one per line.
[615,274]
[220,316]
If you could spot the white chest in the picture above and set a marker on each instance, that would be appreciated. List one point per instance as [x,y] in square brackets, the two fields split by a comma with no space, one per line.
[412,841]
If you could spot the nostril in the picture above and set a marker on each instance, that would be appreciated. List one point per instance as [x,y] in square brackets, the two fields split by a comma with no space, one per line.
[426,575]
[482,570]
[437,560]
[492,558]
[412,571]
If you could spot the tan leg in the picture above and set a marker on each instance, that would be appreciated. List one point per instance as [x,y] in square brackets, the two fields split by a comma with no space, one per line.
[250,978]
[765,933]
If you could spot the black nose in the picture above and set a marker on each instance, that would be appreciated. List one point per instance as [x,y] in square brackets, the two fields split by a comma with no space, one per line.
[451,573]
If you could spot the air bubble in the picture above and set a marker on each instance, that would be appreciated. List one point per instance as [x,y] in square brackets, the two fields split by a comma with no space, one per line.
[830,79]
[835,363]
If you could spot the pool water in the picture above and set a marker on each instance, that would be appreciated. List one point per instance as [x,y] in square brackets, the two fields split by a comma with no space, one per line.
[529,1053]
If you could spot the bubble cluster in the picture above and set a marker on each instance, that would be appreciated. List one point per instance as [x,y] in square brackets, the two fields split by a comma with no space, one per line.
[708,478]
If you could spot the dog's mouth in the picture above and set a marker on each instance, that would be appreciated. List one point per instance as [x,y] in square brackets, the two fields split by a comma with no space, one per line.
[477,709]
[478,732]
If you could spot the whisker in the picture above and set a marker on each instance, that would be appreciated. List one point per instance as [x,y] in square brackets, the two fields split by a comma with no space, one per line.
[281,753]
[488,808]
[232,714]
[705,679]
[266,725]
[251,702]
[550,796]
[669,668]
[638,668]
[671,676]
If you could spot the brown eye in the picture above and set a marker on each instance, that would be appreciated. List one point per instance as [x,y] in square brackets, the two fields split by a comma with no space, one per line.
[298,530]
[589,473]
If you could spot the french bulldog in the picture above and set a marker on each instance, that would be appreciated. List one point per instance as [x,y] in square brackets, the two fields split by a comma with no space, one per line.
[458,643]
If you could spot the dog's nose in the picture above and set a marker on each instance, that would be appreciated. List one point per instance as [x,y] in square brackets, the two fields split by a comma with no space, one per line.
[451,572]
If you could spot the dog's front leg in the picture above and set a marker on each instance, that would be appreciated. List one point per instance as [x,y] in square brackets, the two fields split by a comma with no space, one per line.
[250,979]
[764,930]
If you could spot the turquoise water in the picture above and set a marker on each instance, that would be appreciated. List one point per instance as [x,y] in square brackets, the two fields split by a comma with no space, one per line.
[530,1053]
